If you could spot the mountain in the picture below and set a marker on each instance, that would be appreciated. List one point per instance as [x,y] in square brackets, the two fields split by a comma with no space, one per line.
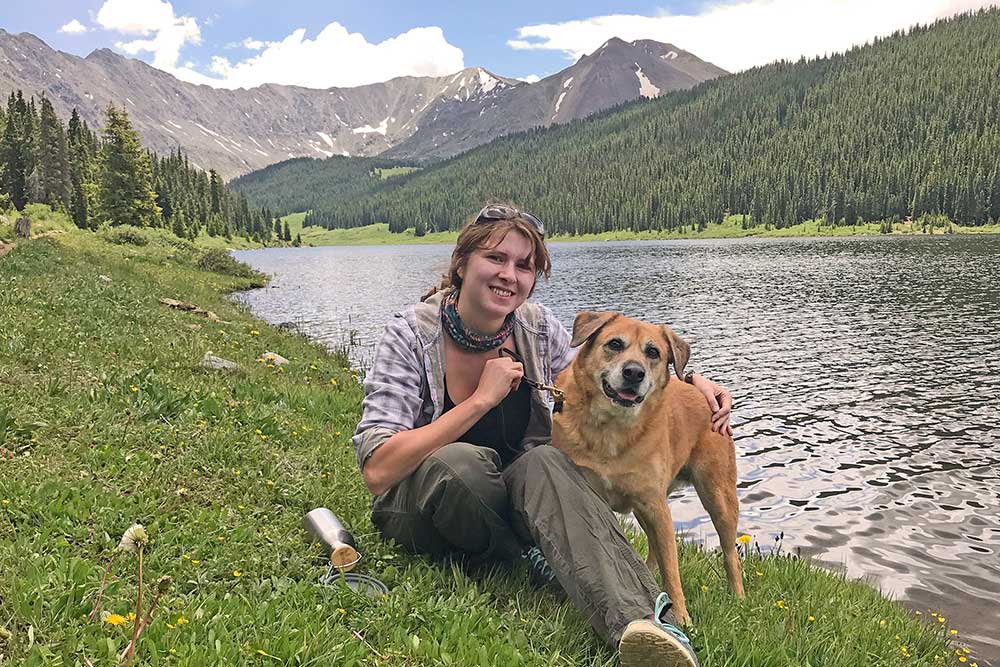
[906,126]
[238,131]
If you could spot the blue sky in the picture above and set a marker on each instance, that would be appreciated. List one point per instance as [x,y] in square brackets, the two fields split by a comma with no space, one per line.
[247,42]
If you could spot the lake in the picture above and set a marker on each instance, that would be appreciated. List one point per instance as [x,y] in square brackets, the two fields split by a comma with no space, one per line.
[865,373]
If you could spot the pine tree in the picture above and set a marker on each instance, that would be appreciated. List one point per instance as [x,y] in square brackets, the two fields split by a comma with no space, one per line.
[15,150]
[52,164]
[286,234]
[125,192]
[80,146]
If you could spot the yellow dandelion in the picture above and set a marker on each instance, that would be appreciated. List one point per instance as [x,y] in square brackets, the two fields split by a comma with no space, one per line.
[114,619]
[333,382]
[336,433]
[882,623]
[811,618]
[131,616]
[171,626]
[269,483]
[241,507]
[220,538]
[254,332]
[173,650]
[237,573]
[312,367]
[744,539]
[940,619]
[4,502]
[341,610]
[181,620]
[780,604]
[196,562]
[759,573]
[962,658]
[704,587]
[953,632]
[134,388]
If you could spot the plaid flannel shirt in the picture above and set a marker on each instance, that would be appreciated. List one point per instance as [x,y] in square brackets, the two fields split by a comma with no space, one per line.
[404,389]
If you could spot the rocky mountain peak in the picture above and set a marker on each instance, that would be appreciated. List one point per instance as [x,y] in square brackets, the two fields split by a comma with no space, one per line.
[237,131]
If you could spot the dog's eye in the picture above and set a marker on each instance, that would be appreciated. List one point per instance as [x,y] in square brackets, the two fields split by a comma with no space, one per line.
[615,345]
[652,352]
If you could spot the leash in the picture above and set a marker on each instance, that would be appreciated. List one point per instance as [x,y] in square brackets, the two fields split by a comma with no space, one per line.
[558,395]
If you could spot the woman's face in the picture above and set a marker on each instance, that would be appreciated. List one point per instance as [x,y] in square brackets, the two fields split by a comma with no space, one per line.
[497,280]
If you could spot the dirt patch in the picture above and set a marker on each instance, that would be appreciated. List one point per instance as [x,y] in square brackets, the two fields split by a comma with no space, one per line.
[6,248]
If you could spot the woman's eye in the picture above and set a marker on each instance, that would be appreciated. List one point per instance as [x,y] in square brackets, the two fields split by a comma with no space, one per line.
[616,345]
[652,353]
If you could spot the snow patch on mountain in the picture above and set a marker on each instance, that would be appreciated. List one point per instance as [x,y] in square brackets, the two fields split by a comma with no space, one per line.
[368,129]
[646,87]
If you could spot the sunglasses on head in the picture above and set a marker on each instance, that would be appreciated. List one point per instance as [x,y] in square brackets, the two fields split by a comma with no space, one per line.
[493,212]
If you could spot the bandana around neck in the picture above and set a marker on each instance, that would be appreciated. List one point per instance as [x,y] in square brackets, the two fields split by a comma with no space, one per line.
[470,339]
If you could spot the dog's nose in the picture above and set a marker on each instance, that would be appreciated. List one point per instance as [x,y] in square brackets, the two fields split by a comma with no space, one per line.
[633,373]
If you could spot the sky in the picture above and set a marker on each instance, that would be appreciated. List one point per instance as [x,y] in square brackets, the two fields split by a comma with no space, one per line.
[320,44]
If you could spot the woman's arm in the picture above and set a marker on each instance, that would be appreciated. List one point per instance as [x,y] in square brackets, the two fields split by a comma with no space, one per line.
[403,452]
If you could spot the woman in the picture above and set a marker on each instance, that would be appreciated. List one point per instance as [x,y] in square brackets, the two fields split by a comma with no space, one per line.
[455,447]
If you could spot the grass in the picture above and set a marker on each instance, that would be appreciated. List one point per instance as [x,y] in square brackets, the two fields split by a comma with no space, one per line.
[107,419]
[395,171]
[731,227]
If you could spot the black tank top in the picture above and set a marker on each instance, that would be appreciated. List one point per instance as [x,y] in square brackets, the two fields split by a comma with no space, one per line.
[503,427]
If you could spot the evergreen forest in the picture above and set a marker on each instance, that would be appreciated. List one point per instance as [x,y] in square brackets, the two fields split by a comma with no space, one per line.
[108,178]
[905,127]
[304,183]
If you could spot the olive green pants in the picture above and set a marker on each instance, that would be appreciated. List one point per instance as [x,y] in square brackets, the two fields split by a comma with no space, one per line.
[459,502]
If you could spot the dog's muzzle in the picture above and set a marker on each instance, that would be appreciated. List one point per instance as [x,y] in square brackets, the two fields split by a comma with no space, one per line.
[624,398]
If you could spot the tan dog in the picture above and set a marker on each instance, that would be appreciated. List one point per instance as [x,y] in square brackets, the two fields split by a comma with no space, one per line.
[637,434]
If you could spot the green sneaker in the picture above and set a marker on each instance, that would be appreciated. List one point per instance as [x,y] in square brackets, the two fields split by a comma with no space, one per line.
[656,643]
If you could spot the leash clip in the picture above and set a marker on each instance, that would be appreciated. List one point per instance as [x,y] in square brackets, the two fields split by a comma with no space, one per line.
[558,395]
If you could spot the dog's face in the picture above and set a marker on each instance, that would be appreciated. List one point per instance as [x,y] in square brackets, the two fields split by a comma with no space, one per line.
[628,360]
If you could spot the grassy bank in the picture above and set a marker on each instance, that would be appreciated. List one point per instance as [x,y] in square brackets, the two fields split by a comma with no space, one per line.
[731,227]
[107,418]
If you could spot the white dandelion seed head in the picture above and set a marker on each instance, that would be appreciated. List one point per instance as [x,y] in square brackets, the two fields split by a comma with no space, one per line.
[134,538]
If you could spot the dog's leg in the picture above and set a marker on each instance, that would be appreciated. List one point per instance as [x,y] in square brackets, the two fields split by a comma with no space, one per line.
[716,487]
[656,516]
[652,549]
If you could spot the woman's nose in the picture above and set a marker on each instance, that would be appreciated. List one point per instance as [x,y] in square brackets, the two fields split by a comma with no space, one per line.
[507,272]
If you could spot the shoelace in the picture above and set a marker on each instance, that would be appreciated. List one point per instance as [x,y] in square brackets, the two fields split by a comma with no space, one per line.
[537,559]
[663,604]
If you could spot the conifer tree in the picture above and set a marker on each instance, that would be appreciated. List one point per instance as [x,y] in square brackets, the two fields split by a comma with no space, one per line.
[15,150]
[80,147]
[52,163]
[125,192]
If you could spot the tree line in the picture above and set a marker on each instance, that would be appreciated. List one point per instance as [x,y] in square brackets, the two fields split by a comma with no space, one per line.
[906,126]
[108,178]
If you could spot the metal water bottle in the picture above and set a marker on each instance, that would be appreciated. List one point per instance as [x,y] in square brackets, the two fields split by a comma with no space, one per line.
[324,527]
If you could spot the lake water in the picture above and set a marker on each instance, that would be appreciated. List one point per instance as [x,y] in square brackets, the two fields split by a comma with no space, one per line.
[865,373]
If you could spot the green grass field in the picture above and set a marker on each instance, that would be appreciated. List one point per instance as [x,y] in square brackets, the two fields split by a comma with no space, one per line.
[731,227]
[107,418]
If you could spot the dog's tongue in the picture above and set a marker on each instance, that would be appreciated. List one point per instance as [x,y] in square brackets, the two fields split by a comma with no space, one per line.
[627,395]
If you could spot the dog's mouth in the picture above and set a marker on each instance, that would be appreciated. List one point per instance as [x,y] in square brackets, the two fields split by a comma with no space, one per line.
[624,398]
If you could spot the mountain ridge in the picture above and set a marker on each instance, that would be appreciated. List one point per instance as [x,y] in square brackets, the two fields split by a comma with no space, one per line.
[241,130]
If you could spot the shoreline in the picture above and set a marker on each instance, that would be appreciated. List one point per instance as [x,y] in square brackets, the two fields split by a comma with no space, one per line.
[378,233]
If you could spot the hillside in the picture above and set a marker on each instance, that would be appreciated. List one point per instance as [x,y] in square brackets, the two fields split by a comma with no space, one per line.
[237,131]
[906,126]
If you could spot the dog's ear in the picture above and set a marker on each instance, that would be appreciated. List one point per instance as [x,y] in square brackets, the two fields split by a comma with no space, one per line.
[680,351]
[588,323]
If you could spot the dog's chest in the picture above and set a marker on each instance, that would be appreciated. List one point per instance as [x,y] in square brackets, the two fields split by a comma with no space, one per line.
[608,490]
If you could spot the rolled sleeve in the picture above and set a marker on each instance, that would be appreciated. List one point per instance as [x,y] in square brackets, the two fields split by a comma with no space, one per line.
[393,396]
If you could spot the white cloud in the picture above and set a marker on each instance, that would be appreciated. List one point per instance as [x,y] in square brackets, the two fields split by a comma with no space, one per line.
[74,27]
[155,18]
[335,57]
[531,78]
[253,44]
[746,33]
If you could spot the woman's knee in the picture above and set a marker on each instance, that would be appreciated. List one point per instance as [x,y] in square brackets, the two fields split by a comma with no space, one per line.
[470,470]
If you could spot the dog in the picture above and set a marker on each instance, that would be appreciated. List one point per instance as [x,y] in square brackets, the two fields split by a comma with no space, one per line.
[636,433]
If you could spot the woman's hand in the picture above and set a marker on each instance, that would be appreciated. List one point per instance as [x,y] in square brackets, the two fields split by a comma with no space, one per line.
[719,400]
[500,376]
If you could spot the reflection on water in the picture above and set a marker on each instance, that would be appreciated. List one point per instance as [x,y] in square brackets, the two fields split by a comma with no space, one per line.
[865,373]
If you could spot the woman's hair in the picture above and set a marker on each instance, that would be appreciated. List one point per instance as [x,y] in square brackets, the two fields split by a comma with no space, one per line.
[489,234]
